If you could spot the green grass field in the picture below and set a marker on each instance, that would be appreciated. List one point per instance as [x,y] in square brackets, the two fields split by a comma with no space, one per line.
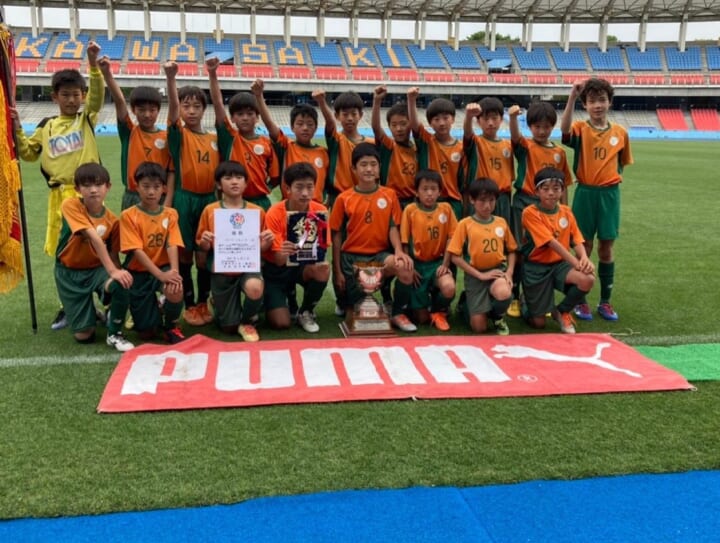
[59,457]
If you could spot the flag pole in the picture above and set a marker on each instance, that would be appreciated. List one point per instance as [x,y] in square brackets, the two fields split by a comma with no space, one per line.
[8,81]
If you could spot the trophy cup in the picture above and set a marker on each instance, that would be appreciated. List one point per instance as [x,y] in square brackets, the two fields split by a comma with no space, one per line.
[368,319]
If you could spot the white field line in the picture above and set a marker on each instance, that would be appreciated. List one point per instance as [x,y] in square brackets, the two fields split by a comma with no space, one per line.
[59,360]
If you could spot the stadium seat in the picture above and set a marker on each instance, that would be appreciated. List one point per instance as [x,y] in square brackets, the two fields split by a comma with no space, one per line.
[689,60]
[532,60]
[28,47]
[224,49]
[53,66]
[402,74]
[649,79]
[616,79]
[573,59]
[361,56]
[611,60]
[705,119]
[114,49]
[714,79]
[687,79]
[142,68]
[183,52]
[227,70]
[330,72]
[438,76]
[542,79]
[507,79]
[150,50]
[254,53]
[713,57]
[329,55]
[426,58]
[569,79]
[27,65]
[472,77]
[366,74]
[395,57]
[462,59]
[257,71]
[294,72]
[294,55]
[672,119]
[65,47]
[648,61]
[499,53]
[188,68]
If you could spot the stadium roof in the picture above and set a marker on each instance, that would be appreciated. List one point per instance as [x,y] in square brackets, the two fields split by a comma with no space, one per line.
[514,11]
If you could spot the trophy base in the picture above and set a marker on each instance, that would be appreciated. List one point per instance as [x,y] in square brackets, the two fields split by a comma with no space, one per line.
[367,328]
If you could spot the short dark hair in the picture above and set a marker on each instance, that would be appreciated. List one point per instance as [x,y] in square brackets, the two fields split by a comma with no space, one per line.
[191,91]
[440,106]
[91,172]
[150,170]
[299,171]
[303,110]
[483,186]
[596,86]
[348,100]
[427,175]
[401,108]
[68,78]
[539,112]
[229,168]
[243,100]
[145,96]
[362,150]
[491,104]
[549,174]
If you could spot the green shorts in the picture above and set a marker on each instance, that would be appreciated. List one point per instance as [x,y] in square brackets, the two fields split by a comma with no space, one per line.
[597,211]
[190,206]
[226,295]
[519,202]
[76,288]
[144,302]
[540,281]
[262,201]
[353,291]
[479,301]
[129,199]
[423,293]
[280,282]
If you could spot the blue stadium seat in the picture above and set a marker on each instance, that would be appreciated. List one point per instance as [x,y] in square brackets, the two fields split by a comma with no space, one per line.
[114,49]
[426,58]
[573,59]
[295,55]
[361,56]
[462,59]
[647,61]
[611,60]
[65,47]
[28,47]
[325,56]
[226,47]
[183,52]
[150,50]
[713,57]
[536,59]
[258,53]
[501,52]
[686,61]
[395,57]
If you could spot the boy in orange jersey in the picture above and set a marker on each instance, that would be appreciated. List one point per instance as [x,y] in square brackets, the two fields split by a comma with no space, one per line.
[550,231]
[239,141]
[602,150]
[231,315]
[364,224]
[439,151]
[303,123]
[398,158]
[532,154]
[487,155]
[348,110]
[141,140]
[484,248]
[195,158]
[280,272]
[86,260]
[425,230]
[151,239]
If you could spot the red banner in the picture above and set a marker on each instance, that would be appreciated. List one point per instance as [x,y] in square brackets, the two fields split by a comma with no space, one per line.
[201,372]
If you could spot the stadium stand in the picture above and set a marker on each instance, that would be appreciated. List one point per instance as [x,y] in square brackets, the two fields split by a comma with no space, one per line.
[672,119]
[426,58]
[472,77]
[330,72]
[294,55]
[639,119]
[443,76]
[67,48]
[366,74]
[714,79]
[462,59]
[648,61]
[705,119]
[687,79]
[329,55]
[713,57]
[257,71]
[499,53]
[542,79]
[227,70]
[689,60]
[27,65]
[183,52]
[225,47]
[360,56]
[294,72]
[28,47]
[536,59]
[254,53]
[572,60]
[649,79]
[402,74]
[611,60]
[114,49]
[142,68]
[507,79]
[146,50]
[395,57]
[189,69]
[52,66]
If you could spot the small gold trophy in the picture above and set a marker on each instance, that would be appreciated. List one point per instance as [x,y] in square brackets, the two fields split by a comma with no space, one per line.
[368,319]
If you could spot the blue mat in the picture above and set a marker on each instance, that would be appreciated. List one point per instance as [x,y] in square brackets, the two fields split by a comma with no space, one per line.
[637,508]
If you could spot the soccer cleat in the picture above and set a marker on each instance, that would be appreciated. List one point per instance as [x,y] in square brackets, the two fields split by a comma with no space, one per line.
[439,321]
[193,317]
[582,312]
[401,322]
[60,320]
[566,322]
[339,311]
[248,333]
[306,320]
[501,327]
[204,312]
[606,311]
[514,310]
[119,341]
[174,335]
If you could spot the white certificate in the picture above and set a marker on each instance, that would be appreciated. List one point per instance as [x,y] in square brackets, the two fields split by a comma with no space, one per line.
[237,241]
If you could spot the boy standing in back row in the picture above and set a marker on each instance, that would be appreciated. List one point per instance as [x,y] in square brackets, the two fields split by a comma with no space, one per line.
[602,150]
